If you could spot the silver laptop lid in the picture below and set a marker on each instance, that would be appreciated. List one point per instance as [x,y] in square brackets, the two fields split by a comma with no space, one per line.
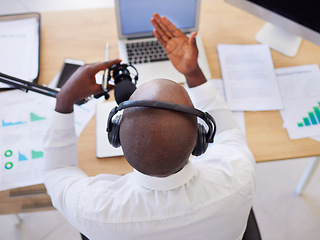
[133,16]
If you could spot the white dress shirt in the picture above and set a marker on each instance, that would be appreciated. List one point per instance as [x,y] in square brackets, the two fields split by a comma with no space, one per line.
[210,198]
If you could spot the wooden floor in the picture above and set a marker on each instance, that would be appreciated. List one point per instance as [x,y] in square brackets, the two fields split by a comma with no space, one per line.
[280,213]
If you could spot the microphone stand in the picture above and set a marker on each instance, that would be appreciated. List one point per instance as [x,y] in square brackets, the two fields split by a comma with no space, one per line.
[30,86]
[120,72]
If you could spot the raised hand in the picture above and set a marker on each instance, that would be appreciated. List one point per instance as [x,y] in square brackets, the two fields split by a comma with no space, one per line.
[181,50]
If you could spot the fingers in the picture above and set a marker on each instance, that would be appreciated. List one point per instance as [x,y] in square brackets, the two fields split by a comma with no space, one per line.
[162,24]
[157,35]
[161,28]
[162,37]
[96,67]
[164,29]
[175,32]
[192,39]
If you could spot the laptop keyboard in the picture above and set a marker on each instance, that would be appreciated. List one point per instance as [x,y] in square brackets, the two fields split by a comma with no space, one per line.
[145,52]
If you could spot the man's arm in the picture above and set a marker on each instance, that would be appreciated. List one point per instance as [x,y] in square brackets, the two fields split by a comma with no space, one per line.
[60,142]
[183,53]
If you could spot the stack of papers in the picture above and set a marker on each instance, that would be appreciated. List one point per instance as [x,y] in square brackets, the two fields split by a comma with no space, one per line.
[19,48]
[249,77]
[252,84]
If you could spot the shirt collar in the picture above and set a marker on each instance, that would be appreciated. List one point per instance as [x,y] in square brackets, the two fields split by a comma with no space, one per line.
[165,183]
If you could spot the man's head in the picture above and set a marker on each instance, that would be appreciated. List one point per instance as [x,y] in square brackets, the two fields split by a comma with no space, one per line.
[158,142]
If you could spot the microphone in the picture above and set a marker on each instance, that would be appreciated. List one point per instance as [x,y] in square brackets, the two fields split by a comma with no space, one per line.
[123,91]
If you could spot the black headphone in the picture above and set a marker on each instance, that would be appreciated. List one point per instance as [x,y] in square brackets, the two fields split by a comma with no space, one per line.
[203,139]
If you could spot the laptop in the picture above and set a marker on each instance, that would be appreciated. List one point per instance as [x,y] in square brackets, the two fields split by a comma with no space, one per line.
[137,44]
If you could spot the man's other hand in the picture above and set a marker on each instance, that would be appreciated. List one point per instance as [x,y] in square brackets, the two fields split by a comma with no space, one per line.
[81,85]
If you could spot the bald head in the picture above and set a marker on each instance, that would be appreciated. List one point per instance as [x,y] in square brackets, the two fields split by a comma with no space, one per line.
[158,142]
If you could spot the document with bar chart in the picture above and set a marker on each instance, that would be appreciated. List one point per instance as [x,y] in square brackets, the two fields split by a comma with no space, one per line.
[24,118]
[22,126]
[300,91]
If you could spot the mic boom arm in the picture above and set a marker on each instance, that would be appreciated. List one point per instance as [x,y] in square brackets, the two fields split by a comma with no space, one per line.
[25,85]
[120,74]
[30,86]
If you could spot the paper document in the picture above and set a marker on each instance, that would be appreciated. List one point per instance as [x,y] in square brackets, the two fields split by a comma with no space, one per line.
[249,77]
[300,91]
[19,48]
[25,118]
[238,115]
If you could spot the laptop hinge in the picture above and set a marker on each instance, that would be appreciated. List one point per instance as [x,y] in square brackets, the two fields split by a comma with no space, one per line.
[145,37]
[135,38]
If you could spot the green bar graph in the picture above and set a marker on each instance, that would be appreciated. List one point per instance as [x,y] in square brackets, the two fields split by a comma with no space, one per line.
[34,117]
[306,121]
[300,124]
[317,112]
[36,154]
[312,119]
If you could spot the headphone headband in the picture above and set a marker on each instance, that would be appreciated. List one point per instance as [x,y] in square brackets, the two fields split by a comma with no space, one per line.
[163,105]
[209,120]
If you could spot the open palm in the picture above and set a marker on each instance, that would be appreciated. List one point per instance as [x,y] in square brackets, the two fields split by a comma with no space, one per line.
[181,50]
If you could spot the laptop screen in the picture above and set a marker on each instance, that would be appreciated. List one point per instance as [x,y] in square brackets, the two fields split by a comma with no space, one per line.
[133,16]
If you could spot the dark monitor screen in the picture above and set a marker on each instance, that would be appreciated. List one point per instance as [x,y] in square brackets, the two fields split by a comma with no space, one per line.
[304,12]
[288,21]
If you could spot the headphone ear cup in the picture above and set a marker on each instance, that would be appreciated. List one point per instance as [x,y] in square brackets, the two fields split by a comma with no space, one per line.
[114,132]
[202,144]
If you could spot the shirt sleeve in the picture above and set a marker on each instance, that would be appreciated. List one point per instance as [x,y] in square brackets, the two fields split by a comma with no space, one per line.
[63,179]
[229,134]
[60,142]
[206,98]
